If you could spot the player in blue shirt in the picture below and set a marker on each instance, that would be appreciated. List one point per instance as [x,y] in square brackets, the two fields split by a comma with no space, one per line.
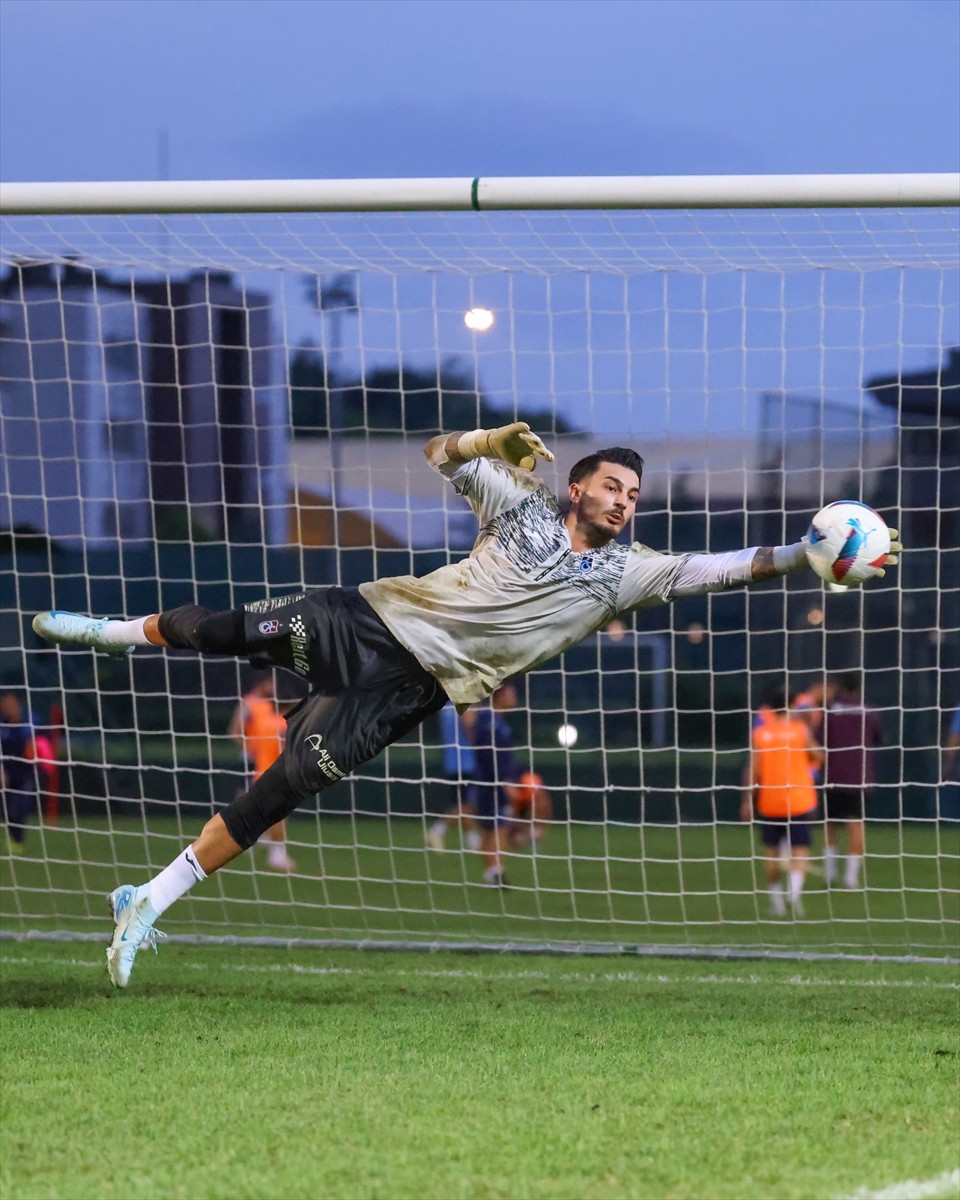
[495,770]
[459,768]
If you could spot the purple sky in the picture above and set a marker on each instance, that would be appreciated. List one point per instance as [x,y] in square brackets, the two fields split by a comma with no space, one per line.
[89,89]
[262,88]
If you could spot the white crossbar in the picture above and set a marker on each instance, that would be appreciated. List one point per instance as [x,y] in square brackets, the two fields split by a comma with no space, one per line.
[484,194]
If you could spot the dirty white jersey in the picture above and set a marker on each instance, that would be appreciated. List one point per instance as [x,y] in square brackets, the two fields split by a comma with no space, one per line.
[524,595]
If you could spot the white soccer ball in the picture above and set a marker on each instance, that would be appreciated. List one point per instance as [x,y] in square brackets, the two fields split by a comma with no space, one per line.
[847,542]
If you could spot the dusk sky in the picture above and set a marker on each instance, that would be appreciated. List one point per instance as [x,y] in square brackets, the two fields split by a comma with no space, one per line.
[193,89]
[265,88]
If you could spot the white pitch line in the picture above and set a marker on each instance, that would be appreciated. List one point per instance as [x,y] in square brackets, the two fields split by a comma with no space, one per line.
[944,1187]
[294,968]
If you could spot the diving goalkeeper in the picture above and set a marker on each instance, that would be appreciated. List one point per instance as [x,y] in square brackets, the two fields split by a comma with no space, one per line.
[381,658]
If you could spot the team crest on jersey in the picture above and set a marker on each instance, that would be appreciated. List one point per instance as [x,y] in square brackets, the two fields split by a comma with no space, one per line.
[586,564]
[268,627]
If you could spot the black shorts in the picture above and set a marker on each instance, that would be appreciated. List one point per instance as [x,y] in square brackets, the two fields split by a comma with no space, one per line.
[796,830]
[844,804]
[366,690]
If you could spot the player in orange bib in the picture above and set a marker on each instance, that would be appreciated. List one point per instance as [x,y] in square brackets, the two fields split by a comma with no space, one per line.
[783,796]
[259,730]
[530,809]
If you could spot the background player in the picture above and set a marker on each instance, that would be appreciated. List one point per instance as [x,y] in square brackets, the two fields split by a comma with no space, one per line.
[259,729]
[495,770]
[850,735]
[18,770]
[531,809]
[381,658]
[784,757]
[459,767]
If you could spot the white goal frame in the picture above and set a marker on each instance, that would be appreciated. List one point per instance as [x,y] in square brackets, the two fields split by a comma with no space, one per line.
[489,195]
[484,194]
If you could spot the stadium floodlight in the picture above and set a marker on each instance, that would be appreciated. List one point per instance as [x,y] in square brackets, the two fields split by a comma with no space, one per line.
[171,408]
[478,320]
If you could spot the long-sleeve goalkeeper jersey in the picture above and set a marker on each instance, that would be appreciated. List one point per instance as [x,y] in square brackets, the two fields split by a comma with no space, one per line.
[524,595]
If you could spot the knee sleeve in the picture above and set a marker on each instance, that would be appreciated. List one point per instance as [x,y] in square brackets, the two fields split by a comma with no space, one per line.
[269,800]
[191,627]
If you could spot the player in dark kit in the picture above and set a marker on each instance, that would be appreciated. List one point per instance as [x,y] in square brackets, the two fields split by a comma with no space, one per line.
[381,658]
[495,769]
[851,733]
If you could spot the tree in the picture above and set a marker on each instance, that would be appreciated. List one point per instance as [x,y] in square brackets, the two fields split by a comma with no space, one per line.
[395,400]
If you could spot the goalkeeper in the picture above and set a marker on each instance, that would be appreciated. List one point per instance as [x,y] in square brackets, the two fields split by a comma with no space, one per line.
[381,658]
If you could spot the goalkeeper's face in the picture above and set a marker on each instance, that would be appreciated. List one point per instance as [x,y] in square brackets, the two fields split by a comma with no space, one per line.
[605,502]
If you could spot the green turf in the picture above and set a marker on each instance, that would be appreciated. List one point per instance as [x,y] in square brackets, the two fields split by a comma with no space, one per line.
[686,885]
[244,1072]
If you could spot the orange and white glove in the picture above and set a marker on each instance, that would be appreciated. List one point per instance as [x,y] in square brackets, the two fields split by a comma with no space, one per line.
[515,444]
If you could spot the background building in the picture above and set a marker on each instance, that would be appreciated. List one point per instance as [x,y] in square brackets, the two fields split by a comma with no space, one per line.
[133,410]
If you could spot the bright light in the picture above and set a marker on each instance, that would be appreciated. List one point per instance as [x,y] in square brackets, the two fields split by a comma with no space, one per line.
[478,319]
[567,735]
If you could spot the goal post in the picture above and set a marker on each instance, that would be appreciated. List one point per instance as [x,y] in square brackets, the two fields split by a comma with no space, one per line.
[220,390]
[484,194]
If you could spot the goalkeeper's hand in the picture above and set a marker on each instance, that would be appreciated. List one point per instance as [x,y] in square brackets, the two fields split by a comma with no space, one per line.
[896,549]
[515,444]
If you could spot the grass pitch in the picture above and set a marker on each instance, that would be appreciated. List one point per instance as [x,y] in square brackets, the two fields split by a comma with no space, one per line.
[243,1072]
[695,886]
[236,1071]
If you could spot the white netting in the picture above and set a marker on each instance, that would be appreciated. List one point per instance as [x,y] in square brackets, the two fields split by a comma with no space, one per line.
[625,242]
[226,407]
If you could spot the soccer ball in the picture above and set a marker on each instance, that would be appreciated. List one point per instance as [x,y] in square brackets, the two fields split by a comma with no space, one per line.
[847,542]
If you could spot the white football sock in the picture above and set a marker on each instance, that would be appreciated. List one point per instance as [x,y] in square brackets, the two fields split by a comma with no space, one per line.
[175,881]
[474,839]
[777,902]
[277,852]
[438,829]
[125,633]
[796,886]
[830,864]
[852,873]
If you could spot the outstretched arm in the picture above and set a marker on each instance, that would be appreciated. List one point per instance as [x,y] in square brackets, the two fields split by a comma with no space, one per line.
[771,561]
[444,448]
[661,578]
[515,444]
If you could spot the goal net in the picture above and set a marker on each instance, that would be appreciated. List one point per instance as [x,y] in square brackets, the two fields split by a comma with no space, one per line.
[225,406]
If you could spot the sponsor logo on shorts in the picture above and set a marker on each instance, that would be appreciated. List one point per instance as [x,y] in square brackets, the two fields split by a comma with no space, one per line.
[324,761]
[268,627]
[298,645]
[265,606]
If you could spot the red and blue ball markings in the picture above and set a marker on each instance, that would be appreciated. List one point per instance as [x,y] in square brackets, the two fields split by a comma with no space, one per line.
[853,544]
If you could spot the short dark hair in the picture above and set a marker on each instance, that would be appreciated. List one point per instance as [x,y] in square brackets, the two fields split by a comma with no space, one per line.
[620,455]
[778,697]
[850,683]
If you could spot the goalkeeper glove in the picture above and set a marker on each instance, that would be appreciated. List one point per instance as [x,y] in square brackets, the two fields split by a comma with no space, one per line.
[515,444]
[896,549]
